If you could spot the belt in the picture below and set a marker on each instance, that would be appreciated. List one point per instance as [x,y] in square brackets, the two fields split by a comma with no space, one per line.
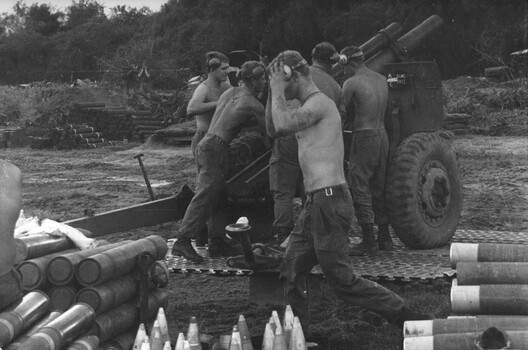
[329,191]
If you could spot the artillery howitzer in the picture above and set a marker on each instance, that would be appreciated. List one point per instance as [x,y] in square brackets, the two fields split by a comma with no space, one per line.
[423,184]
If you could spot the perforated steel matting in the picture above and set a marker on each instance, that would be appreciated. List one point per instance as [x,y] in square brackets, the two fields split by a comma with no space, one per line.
[400,264]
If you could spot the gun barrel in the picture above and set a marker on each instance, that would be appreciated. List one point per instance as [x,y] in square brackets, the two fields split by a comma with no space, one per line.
[406,44]
[381,40]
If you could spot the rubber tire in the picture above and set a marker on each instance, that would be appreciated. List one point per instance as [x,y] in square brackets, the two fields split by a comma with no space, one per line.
[402,191]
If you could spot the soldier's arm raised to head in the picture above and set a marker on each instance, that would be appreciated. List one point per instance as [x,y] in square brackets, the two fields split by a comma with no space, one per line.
[197,104]
[287,120]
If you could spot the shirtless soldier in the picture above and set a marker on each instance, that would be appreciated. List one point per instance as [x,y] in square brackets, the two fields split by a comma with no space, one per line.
[324,55]
[366,95]
[10,204]
[285,172]
[320,234]
[203,104]
[205,97]
[235,108]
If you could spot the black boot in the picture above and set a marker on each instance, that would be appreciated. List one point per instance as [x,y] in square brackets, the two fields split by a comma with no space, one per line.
[368,245]
[219,247]
[384,238]
[183,247]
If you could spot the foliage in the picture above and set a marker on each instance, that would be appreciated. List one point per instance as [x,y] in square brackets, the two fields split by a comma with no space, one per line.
[40,18]
[83,42]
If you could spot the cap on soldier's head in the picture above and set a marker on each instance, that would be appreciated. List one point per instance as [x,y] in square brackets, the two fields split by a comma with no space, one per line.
[324,51]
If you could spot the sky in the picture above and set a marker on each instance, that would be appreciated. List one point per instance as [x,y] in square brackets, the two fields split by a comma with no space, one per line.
[154,5]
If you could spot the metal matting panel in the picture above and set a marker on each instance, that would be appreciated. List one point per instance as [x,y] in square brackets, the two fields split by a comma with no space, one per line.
[401,264]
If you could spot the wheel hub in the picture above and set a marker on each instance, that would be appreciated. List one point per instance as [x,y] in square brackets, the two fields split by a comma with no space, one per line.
[434,192]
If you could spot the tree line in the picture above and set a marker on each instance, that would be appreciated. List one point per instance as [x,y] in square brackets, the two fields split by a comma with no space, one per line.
[41,43]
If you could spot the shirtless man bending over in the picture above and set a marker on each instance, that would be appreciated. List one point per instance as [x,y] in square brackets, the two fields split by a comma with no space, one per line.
[236,107]
[205,97]
[320,234]
[366,94]
[10,204]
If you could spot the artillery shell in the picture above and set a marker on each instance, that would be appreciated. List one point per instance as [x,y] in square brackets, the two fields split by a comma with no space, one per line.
[487,252]
[33,271]
[424,328]
[105,296]
[30,247]
[503,299]
[125,316]
[88,342]
[65,328]
[15,345]
[124,341]
[118,261]
[475,273]
[21,315]
[63,297]
[61,269]
[459,341]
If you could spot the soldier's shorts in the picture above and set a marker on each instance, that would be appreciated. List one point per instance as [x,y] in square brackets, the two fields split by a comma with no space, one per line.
[10,288]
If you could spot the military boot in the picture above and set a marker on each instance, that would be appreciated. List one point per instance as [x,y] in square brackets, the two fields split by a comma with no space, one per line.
[384,238]
[368,245]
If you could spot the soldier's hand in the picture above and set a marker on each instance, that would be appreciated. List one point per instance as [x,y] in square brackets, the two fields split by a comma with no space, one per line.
[277,77]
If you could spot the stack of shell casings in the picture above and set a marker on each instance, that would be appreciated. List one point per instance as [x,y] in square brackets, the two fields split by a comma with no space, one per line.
[79,299]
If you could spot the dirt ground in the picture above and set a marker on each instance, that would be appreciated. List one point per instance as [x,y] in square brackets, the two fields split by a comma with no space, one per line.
[61,185]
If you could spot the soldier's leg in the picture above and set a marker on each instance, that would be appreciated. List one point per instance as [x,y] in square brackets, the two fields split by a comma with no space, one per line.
[299,259]
[362,164]
[377,187]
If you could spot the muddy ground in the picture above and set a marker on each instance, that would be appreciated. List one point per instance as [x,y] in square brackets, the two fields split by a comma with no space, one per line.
[61,185]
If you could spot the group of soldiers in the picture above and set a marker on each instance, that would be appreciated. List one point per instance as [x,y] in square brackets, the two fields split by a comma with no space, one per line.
[305,114]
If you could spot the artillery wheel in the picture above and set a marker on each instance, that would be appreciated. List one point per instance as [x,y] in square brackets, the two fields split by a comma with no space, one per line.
[424,192]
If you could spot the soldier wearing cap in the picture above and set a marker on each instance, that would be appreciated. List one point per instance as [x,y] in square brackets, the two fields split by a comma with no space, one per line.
[235,108]
[365,95]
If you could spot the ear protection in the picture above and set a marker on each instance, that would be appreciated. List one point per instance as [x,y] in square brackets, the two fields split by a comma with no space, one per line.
[214,62]
[256,72]
[343,59]
[288,71]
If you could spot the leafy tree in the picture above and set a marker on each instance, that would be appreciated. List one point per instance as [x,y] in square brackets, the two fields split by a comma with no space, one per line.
[84,11]
[43,20]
